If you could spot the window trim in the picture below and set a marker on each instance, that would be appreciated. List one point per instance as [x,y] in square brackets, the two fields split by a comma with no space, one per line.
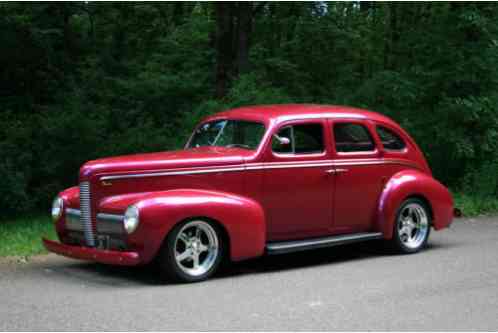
[398,151]
[204,121]
[367,125]
[319,121]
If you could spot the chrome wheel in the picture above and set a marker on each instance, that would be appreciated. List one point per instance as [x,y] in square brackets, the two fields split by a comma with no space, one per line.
[196,248]
[413,225]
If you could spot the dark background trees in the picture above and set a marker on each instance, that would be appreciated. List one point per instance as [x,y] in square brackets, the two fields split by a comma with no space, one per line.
[85,80]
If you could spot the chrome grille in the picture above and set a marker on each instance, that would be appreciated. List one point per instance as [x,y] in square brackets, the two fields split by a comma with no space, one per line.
[110,224]
[73,220]
[86,213]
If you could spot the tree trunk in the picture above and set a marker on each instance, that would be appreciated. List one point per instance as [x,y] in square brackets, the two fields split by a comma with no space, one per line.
[223,13]
[233,30]
[395,35]
[244,27]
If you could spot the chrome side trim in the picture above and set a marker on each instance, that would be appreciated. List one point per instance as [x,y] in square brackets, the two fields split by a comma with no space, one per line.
[173,173]
[73,212]
[309,244]
[110,224]
[100,216]
[110,217]
[264,166]
[73,220]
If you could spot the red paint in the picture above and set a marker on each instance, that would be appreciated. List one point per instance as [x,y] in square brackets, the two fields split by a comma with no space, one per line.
[254,194]
[86,253]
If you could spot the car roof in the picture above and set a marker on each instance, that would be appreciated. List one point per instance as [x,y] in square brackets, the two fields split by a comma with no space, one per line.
[283,112]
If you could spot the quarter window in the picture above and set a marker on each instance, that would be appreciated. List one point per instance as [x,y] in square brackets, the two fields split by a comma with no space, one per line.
[352,137]
[303,139]
[390,140]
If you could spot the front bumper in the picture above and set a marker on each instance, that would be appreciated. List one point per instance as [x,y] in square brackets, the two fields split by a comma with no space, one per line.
[93,254]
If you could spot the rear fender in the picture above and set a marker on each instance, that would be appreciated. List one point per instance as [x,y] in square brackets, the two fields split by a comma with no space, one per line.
[242,218]
[413,183]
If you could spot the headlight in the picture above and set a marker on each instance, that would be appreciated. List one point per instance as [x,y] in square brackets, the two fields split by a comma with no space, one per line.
[57,207]
[131,219]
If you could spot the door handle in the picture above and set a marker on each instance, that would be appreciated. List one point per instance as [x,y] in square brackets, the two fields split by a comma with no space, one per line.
[334,171]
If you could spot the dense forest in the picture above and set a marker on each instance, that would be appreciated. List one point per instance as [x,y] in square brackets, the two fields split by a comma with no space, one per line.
[83,80]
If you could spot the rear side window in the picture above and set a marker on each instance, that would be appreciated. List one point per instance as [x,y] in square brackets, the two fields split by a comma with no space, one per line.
[390,140]
[303,139]
[352,137]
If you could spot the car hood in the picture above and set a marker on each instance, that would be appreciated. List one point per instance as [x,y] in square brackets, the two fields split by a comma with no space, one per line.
[190,158]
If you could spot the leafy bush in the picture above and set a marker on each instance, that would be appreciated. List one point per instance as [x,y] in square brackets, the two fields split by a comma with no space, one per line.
[82,81]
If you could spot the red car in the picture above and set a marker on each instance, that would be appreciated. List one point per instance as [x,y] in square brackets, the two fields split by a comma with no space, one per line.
[253,181]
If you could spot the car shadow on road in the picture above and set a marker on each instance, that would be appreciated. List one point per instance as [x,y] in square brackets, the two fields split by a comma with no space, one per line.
[353,253]
[312,258]
[118,276]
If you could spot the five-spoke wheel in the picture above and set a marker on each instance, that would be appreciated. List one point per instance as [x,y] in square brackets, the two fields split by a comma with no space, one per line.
[412,227]
[193,251]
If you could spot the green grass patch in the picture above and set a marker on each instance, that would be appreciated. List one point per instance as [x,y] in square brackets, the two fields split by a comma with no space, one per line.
[476,205]
[22,236]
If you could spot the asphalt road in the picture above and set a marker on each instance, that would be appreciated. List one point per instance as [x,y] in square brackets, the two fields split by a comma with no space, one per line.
[453,285]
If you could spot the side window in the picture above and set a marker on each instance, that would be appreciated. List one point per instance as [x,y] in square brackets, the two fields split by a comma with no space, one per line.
[308,139]
[352,137]
[303,139]
[390,140]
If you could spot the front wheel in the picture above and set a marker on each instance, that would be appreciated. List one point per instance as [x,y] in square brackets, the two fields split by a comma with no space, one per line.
[192,252]
[412,226]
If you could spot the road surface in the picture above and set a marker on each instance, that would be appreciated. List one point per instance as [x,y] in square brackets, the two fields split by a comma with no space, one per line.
[452,285]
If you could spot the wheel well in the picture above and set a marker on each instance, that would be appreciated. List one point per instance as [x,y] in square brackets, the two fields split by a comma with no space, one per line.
[425,201]
[224,233]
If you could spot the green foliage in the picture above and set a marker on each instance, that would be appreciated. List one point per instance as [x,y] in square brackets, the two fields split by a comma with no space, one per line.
[21,237]
[87,80]
[251,90]
[472,205]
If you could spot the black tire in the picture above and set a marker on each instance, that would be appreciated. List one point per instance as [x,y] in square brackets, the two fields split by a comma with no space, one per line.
[400,242]
[172,271]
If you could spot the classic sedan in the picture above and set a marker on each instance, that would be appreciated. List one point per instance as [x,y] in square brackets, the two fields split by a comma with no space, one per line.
[253,181]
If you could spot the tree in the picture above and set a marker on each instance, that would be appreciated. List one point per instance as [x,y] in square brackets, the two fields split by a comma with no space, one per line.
[233,32]
[84,80]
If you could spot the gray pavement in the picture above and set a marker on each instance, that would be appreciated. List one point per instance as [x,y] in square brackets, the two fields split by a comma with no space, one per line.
[452,285]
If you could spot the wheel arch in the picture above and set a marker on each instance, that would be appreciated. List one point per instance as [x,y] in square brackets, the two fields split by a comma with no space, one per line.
[240,219]
[225,236]
[426,202]
[413,184]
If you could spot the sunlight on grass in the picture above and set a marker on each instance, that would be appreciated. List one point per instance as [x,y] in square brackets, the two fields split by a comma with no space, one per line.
[22,237]
[476,205]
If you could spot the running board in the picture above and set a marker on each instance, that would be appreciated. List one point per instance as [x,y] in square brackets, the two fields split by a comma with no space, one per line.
[316,243]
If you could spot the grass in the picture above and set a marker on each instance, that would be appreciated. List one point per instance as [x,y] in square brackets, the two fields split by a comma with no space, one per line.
[476,205]
[22,236]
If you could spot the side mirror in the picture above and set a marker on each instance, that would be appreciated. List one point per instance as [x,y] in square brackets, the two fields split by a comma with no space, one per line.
[282,140]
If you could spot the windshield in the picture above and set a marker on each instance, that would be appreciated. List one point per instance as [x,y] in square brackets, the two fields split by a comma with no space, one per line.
[228,133]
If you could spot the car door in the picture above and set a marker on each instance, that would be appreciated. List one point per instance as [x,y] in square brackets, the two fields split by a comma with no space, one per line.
[359,175]
[297,188]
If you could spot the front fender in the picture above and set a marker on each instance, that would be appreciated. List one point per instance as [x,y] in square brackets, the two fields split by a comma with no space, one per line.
[410,183]
[242,218]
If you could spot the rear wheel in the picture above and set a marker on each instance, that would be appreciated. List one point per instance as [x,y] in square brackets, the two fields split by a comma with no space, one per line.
[192,252]
[412,226]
